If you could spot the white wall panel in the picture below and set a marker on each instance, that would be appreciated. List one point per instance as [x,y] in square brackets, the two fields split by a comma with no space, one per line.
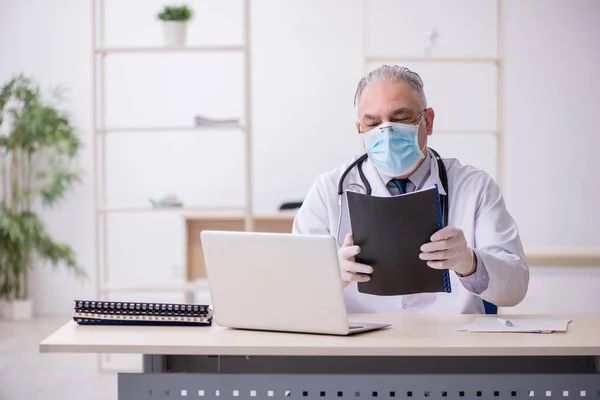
[552,125]
[400,28]
[476,149]
[306,65]
[561,290]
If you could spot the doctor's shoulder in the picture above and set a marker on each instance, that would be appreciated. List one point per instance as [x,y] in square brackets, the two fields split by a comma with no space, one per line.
[470,179]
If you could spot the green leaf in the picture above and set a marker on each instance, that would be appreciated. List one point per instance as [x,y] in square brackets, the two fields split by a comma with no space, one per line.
[61,180]
[173,13]
[56,253]
[10,228]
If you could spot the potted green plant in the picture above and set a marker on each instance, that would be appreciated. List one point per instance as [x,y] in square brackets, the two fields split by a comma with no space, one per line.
[38,149]
[175,20]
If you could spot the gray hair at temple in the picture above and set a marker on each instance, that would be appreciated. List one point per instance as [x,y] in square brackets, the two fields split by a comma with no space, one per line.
[392,73]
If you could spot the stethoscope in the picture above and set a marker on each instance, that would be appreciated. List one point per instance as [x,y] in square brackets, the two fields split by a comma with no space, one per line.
[367,187]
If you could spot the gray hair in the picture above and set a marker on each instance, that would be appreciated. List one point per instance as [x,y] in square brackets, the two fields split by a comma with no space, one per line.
[392,73]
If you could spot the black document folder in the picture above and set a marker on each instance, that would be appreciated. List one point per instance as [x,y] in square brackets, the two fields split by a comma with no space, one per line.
[390,232]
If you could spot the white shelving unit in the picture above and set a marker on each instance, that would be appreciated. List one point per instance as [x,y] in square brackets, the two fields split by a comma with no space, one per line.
[161,129]
[497,61]
[102,132]
[186,49]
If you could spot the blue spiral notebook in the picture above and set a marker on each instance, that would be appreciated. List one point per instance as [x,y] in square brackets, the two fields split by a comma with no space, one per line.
[390,232]
[89,312]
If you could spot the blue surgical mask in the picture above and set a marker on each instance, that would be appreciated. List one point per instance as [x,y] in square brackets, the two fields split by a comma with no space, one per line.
[394,147]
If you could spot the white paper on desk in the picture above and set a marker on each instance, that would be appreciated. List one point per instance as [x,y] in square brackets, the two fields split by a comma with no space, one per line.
[520,325]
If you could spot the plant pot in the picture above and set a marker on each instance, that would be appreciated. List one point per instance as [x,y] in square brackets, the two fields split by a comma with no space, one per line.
[16,310]
[175,33]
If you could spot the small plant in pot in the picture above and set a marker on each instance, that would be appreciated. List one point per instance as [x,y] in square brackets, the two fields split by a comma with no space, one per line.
[38,148]
[175,20]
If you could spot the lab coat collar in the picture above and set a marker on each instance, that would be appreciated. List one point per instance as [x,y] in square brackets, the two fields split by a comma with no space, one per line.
[378,182]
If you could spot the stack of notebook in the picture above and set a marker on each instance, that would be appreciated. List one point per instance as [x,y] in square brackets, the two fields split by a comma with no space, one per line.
[131,313]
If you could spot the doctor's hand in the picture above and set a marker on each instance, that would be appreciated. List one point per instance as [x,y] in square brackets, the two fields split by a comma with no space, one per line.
[448,250]
[352,271]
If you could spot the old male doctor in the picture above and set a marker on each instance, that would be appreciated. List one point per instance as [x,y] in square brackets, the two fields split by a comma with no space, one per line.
[480,245]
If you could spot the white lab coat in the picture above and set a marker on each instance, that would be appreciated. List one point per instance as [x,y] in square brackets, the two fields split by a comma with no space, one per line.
[475,205]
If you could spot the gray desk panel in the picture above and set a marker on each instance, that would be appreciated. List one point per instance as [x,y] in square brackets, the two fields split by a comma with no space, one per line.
[325,386]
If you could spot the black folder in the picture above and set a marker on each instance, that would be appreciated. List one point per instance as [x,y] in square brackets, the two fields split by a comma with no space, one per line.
[390,232]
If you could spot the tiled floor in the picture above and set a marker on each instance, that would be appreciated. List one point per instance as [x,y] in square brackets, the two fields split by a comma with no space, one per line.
[27,374]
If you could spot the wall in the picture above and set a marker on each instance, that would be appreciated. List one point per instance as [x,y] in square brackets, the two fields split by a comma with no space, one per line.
[52,42]
[307,59]
[551,95]
[551,135]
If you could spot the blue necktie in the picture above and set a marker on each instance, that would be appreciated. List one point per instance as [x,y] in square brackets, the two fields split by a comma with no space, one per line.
[401,184]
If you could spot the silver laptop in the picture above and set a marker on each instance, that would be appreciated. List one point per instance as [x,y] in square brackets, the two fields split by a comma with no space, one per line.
[277,282]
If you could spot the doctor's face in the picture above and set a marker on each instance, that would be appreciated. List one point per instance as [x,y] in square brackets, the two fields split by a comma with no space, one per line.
[393,102]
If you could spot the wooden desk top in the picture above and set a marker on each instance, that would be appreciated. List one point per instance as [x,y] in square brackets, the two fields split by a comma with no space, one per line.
[410,335]
[233,215]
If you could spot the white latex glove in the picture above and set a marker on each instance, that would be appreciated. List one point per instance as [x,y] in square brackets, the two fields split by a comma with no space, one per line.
[348,267]
[448,250]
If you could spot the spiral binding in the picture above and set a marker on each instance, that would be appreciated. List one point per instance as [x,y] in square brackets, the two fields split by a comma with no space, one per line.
[88,321]
[440,217]
[88,312]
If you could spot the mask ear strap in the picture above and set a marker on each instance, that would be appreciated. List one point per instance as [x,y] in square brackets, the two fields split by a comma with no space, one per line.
[424,149]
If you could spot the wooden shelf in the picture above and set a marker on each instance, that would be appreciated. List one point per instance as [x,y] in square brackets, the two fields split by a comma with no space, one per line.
[563,256]
[182,209]
[183,49]
[228,216]
[438,60]
[183,287]
[170,129]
